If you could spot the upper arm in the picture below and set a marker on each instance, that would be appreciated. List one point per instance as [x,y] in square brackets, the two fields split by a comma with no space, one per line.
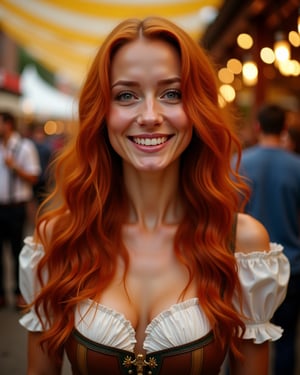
[251,235]
[39,361]
[28,162]
[254,361]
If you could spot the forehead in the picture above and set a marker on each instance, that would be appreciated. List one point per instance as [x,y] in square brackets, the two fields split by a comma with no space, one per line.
[145,55]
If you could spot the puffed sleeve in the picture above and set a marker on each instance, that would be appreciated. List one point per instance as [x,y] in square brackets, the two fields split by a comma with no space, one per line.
[264,277]
[29,258]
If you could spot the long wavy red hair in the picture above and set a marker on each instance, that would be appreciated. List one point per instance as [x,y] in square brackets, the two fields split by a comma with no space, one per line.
[88,206]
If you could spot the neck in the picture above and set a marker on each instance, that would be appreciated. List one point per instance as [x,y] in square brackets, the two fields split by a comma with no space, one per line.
[269,140]
[154,196]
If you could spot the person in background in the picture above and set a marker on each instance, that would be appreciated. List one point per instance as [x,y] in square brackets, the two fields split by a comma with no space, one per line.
[274,177]
[141,263]
[19,170]
[45,155]
[291,139]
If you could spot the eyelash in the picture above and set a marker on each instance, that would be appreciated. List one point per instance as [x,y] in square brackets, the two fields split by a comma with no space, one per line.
[122,95]
[177,93]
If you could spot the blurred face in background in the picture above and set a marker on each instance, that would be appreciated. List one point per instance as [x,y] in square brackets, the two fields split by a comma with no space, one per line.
[4,128]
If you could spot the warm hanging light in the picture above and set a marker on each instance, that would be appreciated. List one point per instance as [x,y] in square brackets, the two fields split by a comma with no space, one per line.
[244,41]
[250,73]
[267,55]
[225,75]
[234,65]
[289,68]
[227,92]
[294,38]
[298,21]
[282,48]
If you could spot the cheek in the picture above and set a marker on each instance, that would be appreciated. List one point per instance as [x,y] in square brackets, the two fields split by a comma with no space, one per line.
[177,115]
[181,120]
[117,120]
[184,127]
[114,139]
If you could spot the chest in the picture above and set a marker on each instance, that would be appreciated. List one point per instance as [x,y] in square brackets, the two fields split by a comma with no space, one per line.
[155,280]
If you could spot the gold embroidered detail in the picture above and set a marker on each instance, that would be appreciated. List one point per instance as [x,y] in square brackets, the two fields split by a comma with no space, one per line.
[127,361]
[152,362]
[139,362]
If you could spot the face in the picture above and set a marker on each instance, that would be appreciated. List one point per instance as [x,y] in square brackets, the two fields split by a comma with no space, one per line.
[147,125]
[3,127]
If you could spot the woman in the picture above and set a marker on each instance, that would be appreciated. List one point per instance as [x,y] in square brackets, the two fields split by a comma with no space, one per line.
[134,248]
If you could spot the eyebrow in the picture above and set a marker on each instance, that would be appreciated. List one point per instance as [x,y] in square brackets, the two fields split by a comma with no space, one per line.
[134,83]
[124,83]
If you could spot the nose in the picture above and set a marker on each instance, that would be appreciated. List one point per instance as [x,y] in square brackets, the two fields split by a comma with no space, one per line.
[150,114]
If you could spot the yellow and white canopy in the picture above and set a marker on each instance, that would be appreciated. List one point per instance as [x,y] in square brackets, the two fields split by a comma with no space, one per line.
[65,34]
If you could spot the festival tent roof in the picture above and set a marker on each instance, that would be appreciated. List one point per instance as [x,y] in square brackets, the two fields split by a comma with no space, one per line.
[43,100]
[64,34]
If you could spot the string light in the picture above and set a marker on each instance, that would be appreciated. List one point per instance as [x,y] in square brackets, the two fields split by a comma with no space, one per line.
[227,92]
[282,48]
[280,56]
[294,38]
[250,73]
[244,41]
[267,55]
[234,65]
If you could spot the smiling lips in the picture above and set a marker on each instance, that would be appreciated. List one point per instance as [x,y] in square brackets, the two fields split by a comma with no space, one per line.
[149,141]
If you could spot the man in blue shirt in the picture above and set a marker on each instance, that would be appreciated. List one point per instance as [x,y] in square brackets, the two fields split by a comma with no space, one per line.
[274,178]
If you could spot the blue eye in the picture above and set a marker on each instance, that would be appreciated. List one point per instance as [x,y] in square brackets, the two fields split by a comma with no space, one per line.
[172,95]
[125,96]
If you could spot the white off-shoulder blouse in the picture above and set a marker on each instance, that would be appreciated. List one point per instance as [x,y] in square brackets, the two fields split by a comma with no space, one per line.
[263,276]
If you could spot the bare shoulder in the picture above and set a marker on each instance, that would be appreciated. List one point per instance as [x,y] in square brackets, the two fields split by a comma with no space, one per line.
[251,235]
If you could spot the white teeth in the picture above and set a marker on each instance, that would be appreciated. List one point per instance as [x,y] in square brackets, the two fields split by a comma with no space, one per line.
[150,141]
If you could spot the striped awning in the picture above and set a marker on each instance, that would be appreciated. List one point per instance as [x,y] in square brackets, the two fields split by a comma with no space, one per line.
[65,34]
